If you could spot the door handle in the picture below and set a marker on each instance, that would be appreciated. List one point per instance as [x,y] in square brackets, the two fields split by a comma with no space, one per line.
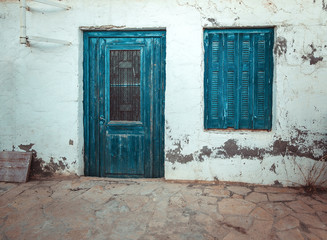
[102,119]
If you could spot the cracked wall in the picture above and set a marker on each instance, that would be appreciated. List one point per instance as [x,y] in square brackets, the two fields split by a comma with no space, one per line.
[43,92]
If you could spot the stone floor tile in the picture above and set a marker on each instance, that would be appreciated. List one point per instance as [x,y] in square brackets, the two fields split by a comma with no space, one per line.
[239,190]
[148,189]
[279,197]
[256,197]
[14,233]
[311,236]
[96,194]
[261,214]
[278,210]
[240,222]
[116,188]
[263,189]
[300,207]
[216,192]
[79,234]
[236,196]
[309,220]
[319,232]
[287,223]
[6,210]
[177,201]
[323,195]
[216,231]
[293,234]
[8,196]
[97,208]
[203,201]
[4,187]
[260,230]
[321,199]
[233,235]
[308,199]
[136,203]
[322,207]
[235,207]
[322,216]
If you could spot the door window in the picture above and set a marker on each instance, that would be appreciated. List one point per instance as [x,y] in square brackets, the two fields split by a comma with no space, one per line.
[125,85]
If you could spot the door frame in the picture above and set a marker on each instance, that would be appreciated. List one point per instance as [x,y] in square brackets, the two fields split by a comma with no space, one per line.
[92,141]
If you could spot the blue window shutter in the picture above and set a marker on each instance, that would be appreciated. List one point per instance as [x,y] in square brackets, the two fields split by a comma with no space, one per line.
[262,81]
[230,77]
[246,83]
[214,88]
[238,78]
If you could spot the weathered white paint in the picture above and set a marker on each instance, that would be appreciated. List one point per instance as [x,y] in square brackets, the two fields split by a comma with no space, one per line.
[41,85]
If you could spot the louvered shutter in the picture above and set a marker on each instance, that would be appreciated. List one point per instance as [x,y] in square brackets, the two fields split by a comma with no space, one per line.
[262,82]
[246,83]
[230,79]
[238,77]
[214,117]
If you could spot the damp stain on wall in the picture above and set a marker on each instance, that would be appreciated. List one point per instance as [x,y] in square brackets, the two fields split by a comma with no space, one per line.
[310,56]
[324,5]
[296,146]
[280,46]
[40,168]
[204,152]
[175,155]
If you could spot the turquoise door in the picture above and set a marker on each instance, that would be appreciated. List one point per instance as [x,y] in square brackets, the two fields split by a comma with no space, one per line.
[124,103]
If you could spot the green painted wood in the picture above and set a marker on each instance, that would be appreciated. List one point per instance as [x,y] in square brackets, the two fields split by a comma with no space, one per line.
[238,78]
[124,148]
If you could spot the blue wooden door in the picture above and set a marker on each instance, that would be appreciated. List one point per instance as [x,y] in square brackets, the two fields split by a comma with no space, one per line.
[124,103]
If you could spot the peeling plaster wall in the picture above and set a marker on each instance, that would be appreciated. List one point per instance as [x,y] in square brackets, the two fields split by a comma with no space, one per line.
[42,92]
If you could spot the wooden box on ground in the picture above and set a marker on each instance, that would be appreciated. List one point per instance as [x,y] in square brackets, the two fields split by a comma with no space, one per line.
[15,166]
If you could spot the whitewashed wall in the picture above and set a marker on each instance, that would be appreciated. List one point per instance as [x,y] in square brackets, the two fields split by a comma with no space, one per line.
[42,87]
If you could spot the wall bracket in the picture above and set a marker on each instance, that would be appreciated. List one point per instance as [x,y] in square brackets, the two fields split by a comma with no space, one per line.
[24,39]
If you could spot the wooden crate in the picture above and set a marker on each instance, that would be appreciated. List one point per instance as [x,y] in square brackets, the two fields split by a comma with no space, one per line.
[15,166]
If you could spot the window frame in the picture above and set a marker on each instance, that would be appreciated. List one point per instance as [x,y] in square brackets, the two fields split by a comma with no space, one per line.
[257,36]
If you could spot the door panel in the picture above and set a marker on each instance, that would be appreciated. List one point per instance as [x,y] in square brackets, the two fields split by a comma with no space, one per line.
[125,157]
[123,125]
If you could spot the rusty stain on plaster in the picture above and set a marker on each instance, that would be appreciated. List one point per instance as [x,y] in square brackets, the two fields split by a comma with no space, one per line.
[324,5]
[270,6]
[310,56]
[27,147]
[273,168]
[297,146]
[205,151]
[231,149]
[39,168]
[213,21]
[277,183]
[280,46]
[176,155]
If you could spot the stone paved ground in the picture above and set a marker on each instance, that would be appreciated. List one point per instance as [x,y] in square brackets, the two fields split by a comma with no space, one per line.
[93,208]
